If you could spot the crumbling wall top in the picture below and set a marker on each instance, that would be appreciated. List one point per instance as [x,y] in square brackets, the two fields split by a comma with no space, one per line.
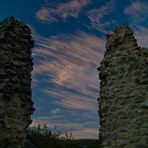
[122,36]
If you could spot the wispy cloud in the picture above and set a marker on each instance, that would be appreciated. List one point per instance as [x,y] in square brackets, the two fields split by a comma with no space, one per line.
[85,132]
[137,11]
[138,15]
[141,34]
[69,62]
[56,111]
[73,100]
[46,14]
[96,16]
[72,8]
[50,14]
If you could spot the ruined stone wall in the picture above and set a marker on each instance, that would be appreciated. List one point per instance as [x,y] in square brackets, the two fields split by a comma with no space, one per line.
[15,82]
[123,103]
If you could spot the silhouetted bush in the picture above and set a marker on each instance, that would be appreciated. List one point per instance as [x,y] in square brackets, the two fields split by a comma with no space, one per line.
[43,137]
[44,130]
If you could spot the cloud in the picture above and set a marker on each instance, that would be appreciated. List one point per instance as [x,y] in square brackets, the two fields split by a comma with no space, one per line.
[137,11]
[96,16]
[84,133]
[77,103]
[49,13]
[138,15]
[46,14]
[69,62]
[73,100]
[56,111]
[72,8]
[141,34]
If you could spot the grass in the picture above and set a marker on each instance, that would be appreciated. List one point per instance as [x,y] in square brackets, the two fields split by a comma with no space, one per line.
[43,137]
[43,141]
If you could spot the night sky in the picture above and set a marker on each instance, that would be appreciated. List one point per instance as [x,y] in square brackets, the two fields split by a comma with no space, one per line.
[70,41]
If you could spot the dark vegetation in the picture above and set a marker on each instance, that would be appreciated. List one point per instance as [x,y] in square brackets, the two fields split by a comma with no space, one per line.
[43,137]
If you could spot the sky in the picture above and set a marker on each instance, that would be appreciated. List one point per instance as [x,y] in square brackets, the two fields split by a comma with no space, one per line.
[70,38]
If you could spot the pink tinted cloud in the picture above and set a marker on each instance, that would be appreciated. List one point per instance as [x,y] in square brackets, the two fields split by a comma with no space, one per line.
[72,8]
[84,133]
[134,7]
[137,11]
[138,14]
[73,65]
[141,34]
[73,101]
[96,16]
[46,14]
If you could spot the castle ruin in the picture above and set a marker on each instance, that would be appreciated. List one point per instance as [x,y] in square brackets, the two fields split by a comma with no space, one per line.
[15,82]
[123,102]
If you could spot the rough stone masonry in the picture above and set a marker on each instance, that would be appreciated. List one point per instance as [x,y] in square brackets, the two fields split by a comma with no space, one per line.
[123,103]
[15,82]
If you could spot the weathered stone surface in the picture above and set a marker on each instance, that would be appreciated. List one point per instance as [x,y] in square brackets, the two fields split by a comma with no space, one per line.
[15,82]
[123,103]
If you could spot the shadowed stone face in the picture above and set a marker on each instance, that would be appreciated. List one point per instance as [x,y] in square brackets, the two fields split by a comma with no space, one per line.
[15,82]
[124,92]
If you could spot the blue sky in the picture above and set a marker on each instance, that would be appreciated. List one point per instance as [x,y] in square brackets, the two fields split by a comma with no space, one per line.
[69,45]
